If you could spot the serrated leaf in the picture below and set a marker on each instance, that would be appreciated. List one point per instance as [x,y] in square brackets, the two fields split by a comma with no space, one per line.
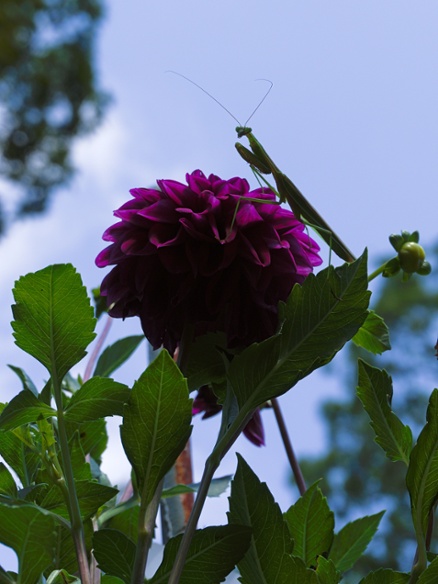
[24,408]
[318,319]
[159,408]
[251,503]
[25,380]
[111,580]
[385,576]
[21,527]
[327,572]
[373,335]
[99,397]
[115,355]
[53,318]
[353,539]
[213,553]
[422,475]
[375,393]
[430,574]
[311,525]
[114,552]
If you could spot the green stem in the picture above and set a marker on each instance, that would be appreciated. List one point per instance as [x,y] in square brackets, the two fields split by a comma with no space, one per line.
[420,561]
[223,444]
[211,465]
[146,524]
[377,272]
[67,484]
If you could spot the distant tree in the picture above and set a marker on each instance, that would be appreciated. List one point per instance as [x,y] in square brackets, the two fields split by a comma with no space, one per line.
[357,477]
[48,94]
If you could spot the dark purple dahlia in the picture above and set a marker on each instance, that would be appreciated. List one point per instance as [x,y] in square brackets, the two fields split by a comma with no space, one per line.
[206,255]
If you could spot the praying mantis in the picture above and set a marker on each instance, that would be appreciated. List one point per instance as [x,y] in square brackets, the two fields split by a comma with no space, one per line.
[262,164]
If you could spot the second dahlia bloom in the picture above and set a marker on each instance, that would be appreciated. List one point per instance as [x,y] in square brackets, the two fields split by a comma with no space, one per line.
[206,255]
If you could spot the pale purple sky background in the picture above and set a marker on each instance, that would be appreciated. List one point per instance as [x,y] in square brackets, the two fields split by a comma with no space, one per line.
[352,119]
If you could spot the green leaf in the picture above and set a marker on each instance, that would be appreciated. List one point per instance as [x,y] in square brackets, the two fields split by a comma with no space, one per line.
[53,317]
[94,438]
[91,496]
[422,475]
[6,577]
[111,580]
[125,521]
[115,355]
[24,408]
[64,555]
[430,574]
[114,552]
[327,572]
[21,528]
[81,468]
[205,363]
[385,576]
[375,393]
[17,449]
[251,503]
[373,335]
[311,525]
[7,483]
[318,319]
[156,423]
[97,398]
[213,553]
[353,539]
[25,380]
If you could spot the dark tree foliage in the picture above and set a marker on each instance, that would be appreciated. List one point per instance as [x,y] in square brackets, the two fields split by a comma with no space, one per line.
[358,479]
[48,93]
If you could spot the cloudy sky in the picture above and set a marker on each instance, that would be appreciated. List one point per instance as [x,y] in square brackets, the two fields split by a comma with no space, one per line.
[352,119]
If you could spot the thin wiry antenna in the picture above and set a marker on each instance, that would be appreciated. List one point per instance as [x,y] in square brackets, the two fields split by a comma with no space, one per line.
[219,103]
[206,92]
[263,99]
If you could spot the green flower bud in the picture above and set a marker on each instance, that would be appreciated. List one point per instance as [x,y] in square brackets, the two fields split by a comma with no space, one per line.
[411,256]
[424,269]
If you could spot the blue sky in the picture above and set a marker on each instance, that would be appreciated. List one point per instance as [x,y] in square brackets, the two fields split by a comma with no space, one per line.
[352,119]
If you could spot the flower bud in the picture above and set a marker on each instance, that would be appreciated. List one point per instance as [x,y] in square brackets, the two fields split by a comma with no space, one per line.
[411,256]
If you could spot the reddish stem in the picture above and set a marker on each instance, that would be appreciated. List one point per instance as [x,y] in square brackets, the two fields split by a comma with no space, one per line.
[299,479]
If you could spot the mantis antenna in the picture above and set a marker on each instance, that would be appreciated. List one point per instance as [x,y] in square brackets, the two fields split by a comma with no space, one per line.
[221,104]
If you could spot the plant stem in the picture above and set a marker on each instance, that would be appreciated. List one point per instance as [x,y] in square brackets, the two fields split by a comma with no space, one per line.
[377,272]
[67,484]
[97,348]
[77,527]
[146,524]
[299,479]
[212,463]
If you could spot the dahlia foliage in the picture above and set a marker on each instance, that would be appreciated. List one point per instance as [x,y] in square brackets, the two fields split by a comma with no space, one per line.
[221,277]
